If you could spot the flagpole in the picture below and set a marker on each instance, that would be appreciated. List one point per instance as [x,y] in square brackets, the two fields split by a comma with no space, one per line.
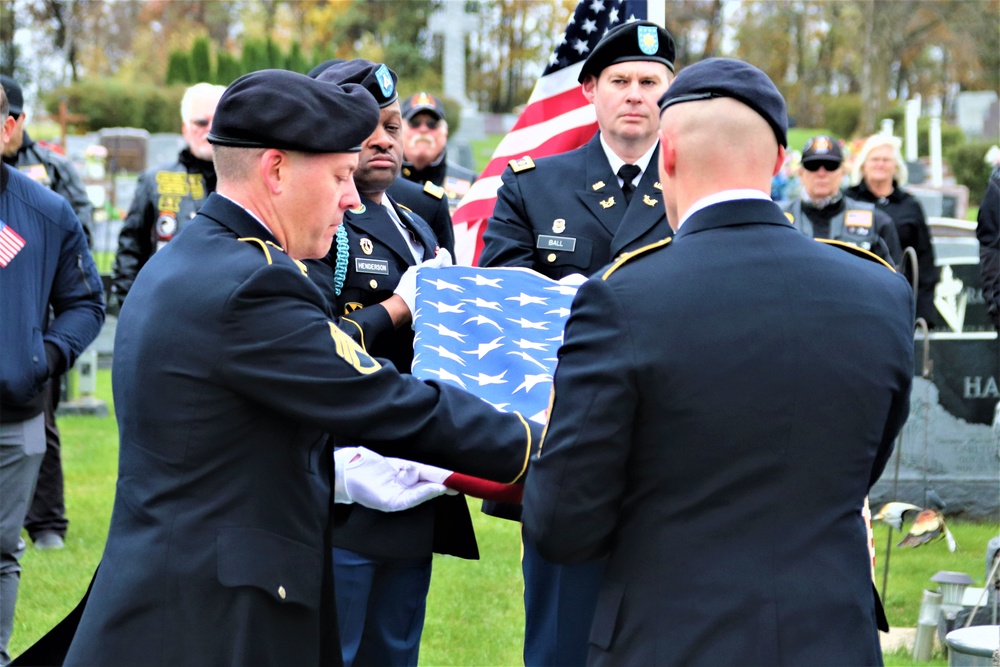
[656,11]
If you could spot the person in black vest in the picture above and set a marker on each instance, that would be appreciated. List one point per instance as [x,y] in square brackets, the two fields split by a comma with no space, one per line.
[169,195]
[823,211]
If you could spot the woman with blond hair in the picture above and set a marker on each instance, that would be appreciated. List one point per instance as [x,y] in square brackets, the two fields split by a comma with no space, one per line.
[878,176]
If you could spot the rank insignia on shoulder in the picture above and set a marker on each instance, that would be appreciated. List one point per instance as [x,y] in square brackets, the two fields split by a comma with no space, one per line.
[857,252]
[598,185]
[607,203]
[790,217]
[435,191]
[524,164]
[626,256]
[649,201]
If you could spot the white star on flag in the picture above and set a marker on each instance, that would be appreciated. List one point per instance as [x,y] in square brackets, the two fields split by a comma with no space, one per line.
[505,370]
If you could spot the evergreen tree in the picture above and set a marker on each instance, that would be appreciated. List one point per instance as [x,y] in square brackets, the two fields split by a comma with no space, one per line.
[296,62]
[228,68]
[254,56]
[201,60]
[275,58]
[179,69]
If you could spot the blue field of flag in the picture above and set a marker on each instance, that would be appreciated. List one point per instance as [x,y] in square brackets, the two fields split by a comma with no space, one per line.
[494,332]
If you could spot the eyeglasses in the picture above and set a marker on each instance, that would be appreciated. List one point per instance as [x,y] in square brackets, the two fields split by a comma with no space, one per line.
[429,123]
[201,122]
[816,164]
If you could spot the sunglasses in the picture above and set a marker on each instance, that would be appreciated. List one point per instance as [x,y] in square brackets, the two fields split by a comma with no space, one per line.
[816,164]
[429,123]
[201,122]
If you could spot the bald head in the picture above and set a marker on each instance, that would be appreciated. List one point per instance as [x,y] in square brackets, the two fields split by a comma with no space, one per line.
[713,145]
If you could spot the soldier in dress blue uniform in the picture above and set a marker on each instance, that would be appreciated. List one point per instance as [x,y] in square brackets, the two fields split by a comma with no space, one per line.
[382,561]
[571,214]
[823,211]
[219,548]
[724,400]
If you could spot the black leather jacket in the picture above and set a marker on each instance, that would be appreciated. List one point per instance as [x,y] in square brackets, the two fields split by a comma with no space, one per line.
[166,198]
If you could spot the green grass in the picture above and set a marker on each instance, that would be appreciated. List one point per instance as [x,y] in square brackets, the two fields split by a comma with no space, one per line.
[475,615]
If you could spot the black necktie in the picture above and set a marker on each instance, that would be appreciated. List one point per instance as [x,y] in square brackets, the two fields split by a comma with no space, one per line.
[627,173]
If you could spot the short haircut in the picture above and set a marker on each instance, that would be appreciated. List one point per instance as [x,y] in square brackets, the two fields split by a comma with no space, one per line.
[195,92]
[4,105]
[235,164]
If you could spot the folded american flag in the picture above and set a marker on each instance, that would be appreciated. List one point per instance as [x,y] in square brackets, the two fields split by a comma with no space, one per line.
[493,332]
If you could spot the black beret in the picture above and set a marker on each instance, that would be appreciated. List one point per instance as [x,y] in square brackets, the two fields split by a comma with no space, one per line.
[275,108]
[15,99]
[638,40]
[724,77]
[377,79]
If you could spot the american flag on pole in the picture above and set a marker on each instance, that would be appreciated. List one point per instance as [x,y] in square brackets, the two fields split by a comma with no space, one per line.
[10,243]
[493,332]
[557,117]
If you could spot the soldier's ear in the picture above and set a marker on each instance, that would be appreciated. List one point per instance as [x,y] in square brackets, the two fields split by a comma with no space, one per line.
[275,167]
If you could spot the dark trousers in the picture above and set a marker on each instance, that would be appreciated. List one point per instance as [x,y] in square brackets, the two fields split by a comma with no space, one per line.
[48,507]
[559,604]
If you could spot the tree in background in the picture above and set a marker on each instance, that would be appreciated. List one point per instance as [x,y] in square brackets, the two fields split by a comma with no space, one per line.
[201,61]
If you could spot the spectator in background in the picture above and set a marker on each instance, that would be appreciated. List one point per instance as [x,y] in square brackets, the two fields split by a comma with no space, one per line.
[169,195]
[823,211]
[43,164]
[425,148]
[988,233]
[46,520]
[878,176]
[44,263]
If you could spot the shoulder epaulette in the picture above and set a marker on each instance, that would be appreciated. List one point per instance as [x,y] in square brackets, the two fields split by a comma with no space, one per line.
[435,191]
[267,252]
[524,164]
[262,244]
[858,252]
[626,256]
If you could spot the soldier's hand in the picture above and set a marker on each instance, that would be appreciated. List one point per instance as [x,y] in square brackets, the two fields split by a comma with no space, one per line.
[367,478]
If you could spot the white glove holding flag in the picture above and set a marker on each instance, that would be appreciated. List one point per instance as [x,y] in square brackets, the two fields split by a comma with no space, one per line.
[407,287]
[388,485]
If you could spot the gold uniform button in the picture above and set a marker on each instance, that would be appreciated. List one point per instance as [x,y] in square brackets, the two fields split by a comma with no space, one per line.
[373,283]
[281,592]
[551,257]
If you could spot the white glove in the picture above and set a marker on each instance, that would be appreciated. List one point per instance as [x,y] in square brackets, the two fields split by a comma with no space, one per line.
[364,477]
[413,472]
[407,287]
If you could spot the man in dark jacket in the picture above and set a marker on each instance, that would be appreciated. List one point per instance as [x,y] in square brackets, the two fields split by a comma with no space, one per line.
[169,195]
[44,262]
[46,520]
[988,233]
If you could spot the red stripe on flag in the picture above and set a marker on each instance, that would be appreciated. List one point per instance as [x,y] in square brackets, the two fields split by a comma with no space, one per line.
[10,244]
